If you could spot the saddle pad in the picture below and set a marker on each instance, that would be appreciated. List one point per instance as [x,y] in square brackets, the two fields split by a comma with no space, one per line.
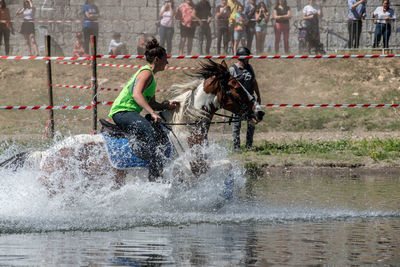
[120,154]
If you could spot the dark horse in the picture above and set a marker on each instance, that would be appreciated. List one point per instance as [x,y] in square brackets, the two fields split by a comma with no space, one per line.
[213,89]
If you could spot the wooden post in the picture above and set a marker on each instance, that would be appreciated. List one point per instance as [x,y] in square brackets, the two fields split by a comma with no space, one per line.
[93,45]
[49,86]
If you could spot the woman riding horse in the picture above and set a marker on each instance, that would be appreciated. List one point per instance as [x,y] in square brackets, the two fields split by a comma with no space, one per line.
[139,94]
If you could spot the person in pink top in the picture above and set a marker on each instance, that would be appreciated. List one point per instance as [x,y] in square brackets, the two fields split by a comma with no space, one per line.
[186,14]
[282,15]
[166,29]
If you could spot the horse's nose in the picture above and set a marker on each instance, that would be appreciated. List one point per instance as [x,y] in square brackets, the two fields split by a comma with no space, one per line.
[260,115]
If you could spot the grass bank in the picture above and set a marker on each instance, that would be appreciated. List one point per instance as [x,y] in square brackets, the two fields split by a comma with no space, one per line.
[349,153]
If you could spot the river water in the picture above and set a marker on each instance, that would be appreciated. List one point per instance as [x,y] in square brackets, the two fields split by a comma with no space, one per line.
[304,220]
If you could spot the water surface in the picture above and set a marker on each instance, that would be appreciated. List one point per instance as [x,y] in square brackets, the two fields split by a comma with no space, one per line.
[305,220]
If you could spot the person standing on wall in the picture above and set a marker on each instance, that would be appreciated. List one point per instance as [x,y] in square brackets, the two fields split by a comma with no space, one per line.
[186,14]
[282,15]
[250,12]
[312,13]
[5,26]
[166,29]
[357,12]
[90,25]
[203,12]
[28,27]
[223,12]
[239,32]
[244,74]
[384,15]
[262,17]
[234,6]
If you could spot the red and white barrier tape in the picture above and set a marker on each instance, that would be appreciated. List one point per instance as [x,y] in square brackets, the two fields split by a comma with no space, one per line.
[44,58]
[123,66]
[255,57]
[101,89]
[73,63]
[207,57]
[52,107]
[265,105]
[331,105]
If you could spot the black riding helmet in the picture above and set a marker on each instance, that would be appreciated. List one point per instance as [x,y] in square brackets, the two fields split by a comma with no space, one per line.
[243,51]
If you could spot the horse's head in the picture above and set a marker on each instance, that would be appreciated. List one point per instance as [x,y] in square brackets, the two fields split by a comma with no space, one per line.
[232,95]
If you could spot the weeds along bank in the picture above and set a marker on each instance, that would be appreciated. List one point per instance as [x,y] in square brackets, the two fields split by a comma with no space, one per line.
[312,81]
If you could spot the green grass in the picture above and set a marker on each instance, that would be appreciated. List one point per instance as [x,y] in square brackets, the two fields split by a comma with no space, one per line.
[375,149]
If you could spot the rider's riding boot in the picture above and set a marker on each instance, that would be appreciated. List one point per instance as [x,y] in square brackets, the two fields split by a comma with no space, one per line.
[155,170]
[154,175]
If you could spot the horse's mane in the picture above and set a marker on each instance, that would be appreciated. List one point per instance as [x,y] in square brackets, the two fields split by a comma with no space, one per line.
[184,93]
[212,69]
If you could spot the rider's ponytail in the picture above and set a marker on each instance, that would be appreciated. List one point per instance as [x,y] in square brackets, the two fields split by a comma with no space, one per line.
[153,50]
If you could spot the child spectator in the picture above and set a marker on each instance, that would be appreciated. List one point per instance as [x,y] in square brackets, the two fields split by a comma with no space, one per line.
[166,29]
[141,48]
[79,46]
[282,15]
[5,26]
[28,27]
[116,46]
[383,27]
[90,25]
[262,17]
[233,5]
[239,34]
[312,14]
[223,12]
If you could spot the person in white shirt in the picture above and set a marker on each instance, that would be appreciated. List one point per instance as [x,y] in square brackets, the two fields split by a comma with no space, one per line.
[384,16]
[311,15]
[28,26]
[116,46]
[166,29]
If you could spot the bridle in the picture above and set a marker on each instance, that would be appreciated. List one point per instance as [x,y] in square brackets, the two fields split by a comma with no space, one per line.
[243,106]
[225,93]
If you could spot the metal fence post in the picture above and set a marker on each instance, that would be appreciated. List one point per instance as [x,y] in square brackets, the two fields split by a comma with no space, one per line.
[93,45]
[49,86]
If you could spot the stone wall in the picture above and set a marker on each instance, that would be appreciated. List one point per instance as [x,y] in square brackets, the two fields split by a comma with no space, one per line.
[131,17]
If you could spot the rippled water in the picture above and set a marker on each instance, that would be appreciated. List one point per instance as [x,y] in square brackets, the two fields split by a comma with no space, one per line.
[305,220]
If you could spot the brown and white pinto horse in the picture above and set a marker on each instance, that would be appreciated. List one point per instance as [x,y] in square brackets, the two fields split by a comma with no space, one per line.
[213,89]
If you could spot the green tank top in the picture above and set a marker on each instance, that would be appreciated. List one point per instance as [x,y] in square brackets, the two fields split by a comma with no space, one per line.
[125,101]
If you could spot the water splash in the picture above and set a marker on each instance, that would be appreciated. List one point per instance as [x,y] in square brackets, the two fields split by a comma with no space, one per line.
[26,206]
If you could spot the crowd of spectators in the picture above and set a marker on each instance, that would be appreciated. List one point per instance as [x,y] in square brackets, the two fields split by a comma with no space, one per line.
[236,23]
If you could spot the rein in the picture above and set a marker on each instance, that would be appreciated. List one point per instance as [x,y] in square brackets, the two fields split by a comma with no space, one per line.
[197,123]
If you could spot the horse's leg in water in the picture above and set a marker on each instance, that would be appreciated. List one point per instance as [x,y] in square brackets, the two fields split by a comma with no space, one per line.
[15,162]
[196,141]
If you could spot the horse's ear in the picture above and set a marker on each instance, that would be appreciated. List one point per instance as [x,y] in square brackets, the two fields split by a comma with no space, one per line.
[223,63]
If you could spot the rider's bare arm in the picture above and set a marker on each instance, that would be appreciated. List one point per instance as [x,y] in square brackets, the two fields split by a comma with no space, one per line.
[143,81]
[165,105]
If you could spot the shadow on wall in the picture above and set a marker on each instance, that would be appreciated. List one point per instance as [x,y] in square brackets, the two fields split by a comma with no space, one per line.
[56,49]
